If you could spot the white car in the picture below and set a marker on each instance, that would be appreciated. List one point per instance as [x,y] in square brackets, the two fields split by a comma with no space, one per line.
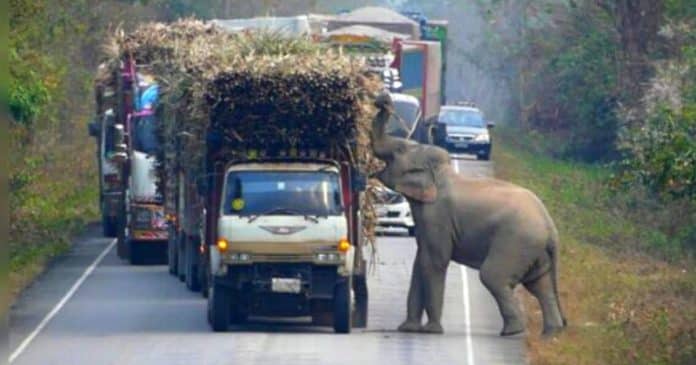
[393,212]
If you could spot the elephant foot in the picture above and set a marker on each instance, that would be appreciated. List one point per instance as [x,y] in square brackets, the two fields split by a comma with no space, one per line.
[513,328]
[551,331]
[432,327]
[409,326]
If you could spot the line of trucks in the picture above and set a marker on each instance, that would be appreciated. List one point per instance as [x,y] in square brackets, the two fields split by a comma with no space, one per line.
[262,236]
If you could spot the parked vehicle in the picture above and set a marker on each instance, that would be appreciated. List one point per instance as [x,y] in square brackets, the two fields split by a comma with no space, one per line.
[393,212]
[463,129]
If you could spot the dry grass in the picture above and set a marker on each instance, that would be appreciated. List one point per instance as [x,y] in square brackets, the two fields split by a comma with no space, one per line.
[624,307]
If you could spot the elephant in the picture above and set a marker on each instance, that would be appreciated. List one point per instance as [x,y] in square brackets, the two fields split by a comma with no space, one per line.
[496,227]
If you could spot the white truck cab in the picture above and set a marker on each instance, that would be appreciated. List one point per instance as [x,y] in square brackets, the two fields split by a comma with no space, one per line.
[283,244]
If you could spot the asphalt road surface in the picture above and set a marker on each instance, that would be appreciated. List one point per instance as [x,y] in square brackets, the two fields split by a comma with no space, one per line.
[92,308]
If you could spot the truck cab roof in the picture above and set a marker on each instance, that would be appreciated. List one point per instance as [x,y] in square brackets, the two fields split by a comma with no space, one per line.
[284,165]
[462,108]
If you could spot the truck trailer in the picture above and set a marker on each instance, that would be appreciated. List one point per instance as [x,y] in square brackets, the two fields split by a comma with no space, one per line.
[125,125]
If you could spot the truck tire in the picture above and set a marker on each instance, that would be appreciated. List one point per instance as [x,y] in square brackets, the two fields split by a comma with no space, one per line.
[361,307]
[219,308]
[171,252]
[109,226]
[136,253]
[237,313]
[412,231]
[204,276]
[192,282]
[342,311]
[121,241]
[181,257]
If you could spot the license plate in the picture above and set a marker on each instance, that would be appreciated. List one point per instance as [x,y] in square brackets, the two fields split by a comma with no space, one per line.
[285,285]
[461,145]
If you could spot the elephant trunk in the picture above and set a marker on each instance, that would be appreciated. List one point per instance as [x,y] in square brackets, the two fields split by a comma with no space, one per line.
[384,145]
[380,143]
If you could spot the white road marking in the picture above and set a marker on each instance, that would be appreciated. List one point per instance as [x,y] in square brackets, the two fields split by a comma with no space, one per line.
[467,304]
[23,346]
[467,317]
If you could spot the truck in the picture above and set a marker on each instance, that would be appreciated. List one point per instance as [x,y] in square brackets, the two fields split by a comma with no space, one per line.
[417,49]
[270,233]
[287,235]
[434,30]
[420,67]
[125,126]
[261,169]
[110,183]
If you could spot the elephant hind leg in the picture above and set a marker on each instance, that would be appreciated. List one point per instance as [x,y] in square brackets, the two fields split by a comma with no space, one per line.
[543,290]
[501,285]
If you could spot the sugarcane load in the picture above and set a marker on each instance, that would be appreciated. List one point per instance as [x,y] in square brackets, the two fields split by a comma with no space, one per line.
[263,152]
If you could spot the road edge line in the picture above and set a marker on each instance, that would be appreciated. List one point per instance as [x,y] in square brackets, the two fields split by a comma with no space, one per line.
[467,303]
[467,317]
[27,341]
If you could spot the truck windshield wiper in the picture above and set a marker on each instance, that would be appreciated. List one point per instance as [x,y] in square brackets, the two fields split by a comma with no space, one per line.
[253,217]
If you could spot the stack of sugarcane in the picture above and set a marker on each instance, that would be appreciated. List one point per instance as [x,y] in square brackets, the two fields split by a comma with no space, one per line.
[254,91]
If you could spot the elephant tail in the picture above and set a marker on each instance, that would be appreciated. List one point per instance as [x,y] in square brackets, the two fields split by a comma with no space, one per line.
[551,249]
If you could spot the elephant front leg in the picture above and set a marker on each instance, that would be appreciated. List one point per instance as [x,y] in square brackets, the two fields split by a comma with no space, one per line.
[434,288]
[414,305]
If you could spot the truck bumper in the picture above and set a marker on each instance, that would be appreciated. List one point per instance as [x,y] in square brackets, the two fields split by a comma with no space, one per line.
[149,236]
[472,148]
[257,295]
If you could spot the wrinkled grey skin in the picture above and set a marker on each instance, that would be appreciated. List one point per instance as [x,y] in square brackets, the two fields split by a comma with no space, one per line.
[500,229]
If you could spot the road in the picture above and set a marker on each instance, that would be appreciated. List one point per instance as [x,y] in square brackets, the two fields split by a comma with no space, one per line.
[92,308]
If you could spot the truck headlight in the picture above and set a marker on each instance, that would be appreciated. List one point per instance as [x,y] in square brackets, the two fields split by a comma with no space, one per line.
[485,137]
[240,257]
[327,257]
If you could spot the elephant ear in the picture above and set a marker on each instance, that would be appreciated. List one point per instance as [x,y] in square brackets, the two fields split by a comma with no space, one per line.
[418,185]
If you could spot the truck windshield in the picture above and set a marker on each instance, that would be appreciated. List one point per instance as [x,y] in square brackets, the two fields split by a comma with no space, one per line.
[313,193]
[145,138]
[462,118]
[408,112]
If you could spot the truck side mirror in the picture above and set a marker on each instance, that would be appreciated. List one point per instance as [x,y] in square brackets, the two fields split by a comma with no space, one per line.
[490,125]
[120,152]
[359,181]
[94,129]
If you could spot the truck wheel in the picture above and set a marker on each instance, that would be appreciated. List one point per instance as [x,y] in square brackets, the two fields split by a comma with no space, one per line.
[121,241]
[181,257]
[192,282]
[136,252]
[219,308]
[171,252]
[412,231]
[204,275]
[109,227]
[360,290]
[342,311]
[237,313]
